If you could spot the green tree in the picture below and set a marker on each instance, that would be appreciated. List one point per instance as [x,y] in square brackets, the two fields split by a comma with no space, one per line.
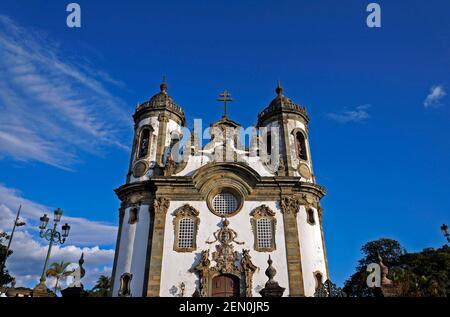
[427,272]
[390,251]
[5,278]
[58,271]
[103,287]
[420,274]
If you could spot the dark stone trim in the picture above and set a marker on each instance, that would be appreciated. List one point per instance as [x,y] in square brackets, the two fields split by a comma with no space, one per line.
[117,248]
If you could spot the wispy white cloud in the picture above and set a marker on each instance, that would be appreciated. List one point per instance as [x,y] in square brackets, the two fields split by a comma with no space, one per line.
[434,98]
[51,110]
[94,239]
[84,231]
[357,114]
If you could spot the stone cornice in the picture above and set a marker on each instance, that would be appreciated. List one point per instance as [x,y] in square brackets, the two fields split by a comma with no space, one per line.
[182,188]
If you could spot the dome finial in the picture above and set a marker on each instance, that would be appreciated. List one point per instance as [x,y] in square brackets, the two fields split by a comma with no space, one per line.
[163,86]
[279,89]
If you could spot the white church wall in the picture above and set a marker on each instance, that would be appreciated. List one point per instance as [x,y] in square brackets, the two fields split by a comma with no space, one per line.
[140,251]
[132,251]
[175,266]
[311,250]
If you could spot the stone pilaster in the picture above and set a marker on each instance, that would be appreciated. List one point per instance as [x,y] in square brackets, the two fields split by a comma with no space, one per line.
[285,145]
[160,207]
[290,207]
[116,253]
[161,143]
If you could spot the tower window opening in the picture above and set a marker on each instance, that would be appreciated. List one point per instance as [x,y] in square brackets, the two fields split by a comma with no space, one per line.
[125,285]
[144,143]
[133,217]
[269,143]
[301,146]
[310,217]
[319,279]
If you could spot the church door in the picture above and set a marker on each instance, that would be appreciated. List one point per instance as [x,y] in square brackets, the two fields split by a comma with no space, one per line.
[225,286]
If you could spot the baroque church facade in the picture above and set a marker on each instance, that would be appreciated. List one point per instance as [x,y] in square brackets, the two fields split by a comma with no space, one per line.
[206,220]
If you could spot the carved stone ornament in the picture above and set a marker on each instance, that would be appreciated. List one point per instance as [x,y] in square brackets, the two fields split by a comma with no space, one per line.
[272,288]
[304,171]
[290,205]
[225,235]
[136,198]
[140,169]
[227,261]
[262,211]
[281,168]
[161,205]
[170,167]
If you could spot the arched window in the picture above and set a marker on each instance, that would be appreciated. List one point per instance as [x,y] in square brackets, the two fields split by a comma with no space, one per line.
[269,143]
[144,143]
[310,216]
[186,226]
[125,285]
[134,215]
[300,144]
[264,233]
[263,225]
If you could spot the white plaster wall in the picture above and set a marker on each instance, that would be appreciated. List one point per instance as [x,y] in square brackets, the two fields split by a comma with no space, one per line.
[133,250]
[311,250]
[176,266]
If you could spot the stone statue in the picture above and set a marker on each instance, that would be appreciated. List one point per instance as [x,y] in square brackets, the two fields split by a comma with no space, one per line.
[78,273]
[384,272]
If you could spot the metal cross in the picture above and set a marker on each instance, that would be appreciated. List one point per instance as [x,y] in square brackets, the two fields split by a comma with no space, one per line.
[225,97]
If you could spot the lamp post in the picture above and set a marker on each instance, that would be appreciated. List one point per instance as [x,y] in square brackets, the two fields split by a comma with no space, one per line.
[17,223]
[52,236]
[444,229]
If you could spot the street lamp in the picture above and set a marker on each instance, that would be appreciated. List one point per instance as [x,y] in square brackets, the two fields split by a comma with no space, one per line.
[444,229]
[53,236]
[17,223]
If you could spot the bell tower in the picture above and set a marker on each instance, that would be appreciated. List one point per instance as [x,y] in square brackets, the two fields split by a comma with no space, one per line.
[292,121]
[158,125]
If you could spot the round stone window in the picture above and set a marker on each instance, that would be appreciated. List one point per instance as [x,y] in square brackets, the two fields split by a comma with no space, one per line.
[225,203]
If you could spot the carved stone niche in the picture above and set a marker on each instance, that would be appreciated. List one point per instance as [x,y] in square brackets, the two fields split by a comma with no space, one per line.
[227,261]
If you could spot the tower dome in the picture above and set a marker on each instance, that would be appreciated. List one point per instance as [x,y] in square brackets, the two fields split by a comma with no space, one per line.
[160,101]
[280,104]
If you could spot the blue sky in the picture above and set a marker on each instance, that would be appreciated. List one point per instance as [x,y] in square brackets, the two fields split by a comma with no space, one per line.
[377,98]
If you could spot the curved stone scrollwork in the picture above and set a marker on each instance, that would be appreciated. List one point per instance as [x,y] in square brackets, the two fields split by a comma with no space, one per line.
[249,268]
[290,205]
[227,261]
[225,235]
[262,211]
[161,205]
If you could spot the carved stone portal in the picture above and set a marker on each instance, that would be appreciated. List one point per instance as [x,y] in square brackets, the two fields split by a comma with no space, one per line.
[227,261]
